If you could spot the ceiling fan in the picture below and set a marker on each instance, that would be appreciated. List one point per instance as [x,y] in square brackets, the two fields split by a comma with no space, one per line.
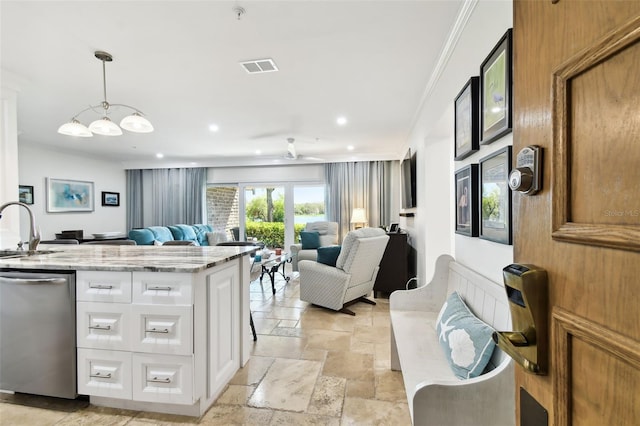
[293,155]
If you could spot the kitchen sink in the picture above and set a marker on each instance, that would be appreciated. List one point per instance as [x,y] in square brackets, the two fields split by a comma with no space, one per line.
[8,254]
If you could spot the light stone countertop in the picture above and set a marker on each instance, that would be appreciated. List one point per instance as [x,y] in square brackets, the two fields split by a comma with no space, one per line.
[93,257]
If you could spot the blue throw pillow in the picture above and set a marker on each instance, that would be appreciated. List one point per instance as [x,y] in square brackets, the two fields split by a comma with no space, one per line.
[328,255]
[310,240]
[465,339]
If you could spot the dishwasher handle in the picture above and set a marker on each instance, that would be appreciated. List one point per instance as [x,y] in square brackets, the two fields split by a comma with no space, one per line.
[62,280]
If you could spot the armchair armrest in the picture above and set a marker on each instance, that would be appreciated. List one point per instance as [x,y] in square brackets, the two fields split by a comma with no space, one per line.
[295,248]
[322,284]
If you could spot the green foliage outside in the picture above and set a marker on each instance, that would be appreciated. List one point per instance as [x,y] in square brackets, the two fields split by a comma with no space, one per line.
[271,233]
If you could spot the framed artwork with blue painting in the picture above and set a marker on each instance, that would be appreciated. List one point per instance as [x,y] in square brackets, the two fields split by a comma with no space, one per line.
[496,99]
[64,195]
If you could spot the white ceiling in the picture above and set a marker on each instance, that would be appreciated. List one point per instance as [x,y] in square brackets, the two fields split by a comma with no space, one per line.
[178,62]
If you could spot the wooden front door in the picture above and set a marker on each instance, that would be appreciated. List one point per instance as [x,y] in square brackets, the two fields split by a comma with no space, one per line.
[577,95]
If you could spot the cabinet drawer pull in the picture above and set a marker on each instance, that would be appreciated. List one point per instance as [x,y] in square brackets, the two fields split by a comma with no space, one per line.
[98,375]
[167,288]
[155,330]
[156,380]
[100,327]
[101,287]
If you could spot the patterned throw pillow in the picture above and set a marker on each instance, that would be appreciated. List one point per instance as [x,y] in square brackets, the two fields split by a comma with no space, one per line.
[465,339]
[310,240]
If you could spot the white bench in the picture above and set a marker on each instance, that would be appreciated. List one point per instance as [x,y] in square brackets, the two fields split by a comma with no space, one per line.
[435,395]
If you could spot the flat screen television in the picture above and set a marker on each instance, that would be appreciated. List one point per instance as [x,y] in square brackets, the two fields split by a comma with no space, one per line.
[408,180]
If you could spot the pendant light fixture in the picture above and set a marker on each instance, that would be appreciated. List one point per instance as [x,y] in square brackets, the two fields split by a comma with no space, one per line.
[104,126]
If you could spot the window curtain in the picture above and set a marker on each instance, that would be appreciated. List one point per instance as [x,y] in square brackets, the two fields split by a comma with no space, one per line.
[162,197]
[365,185]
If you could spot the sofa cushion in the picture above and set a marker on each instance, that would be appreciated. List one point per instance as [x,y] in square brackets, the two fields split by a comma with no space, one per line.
[183,233]
[142,236]
[161,233]
[465,339]
[310,240]
[214,238]
[328,255]
[201,233]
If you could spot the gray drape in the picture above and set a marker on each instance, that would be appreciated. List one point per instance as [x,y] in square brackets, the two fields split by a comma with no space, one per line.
[359,185]
[162,197]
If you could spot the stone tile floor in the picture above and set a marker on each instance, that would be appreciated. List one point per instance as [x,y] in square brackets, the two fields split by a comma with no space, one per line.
[310,366]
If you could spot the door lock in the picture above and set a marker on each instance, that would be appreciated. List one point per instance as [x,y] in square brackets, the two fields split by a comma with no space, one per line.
[526,177]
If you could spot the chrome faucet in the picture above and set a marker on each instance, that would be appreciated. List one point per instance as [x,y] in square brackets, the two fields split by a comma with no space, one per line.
[34,233]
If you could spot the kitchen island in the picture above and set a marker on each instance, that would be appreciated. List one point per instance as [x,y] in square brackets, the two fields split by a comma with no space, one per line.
[158,328]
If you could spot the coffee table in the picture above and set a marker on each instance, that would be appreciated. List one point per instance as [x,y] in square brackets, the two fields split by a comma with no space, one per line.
[271,266]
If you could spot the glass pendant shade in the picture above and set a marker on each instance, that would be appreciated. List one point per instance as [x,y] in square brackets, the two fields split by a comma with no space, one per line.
[136,123]
[104,126]
[75,128]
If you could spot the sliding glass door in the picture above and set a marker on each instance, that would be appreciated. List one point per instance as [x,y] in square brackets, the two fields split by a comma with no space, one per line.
[264,216]
[272,213]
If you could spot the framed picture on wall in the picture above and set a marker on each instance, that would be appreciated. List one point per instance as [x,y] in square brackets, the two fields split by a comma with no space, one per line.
[495,91]
[64,195]
[466,207]
[495,196]
[110,199]
[25,194]
[467,127]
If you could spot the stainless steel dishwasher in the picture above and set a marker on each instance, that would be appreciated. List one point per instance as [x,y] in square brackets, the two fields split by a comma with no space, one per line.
[38,332]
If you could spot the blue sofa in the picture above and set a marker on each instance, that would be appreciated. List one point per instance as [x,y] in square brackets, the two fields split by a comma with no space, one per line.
[148,236]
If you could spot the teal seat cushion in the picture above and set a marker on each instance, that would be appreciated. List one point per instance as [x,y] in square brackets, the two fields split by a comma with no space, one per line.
[201,233]
[161,233]
[183,233]
[328,255]
[464,338]
[142,236]
[310,240]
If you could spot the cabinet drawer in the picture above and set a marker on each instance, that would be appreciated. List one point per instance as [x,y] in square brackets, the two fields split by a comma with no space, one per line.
[163,378]
[162,329]
[104,373]
[162,288]
[103,286]
[103,325]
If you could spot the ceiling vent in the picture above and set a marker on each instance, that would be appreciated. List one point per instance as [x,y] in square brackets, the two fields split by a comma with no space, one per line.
[259,66]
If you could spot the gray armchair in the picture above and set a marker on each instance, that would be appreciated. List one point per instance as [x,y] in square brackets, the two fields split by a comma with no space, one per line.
[353,276]
[328,237]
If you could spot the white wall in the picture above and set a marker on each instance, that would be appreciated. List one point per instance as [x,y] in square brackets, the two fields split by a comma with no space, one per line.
[262,174]
[10,222]
[38,163]
[432,138]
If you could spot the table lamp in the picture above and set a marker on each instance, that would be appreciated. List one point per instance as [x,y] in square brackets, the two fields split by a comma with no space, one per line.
[359,218]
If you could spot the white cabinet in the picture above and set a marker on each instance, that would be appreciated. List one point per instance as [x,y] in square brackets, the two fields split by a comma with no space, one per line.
[103,325]
[162,329]
[163,378]
[160,341]
[104,373]
[162,288]
[101,286]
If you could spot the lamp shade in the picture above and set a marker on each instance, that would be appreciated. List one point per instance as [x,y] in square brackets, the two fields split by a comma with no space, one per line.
[104,126]
[359,216]
[75,128]
[136,123]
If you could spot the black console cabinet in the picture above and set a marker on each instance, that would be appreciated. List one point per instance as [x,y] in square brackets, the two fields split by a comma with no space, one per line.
[394,266]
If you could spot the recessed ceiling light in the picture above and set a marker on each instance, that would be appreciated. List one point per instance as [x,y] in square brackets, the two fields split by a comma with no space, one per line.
[341,121]
[214,127]
[159,155]
[350,147]
[193,163]
[258,152]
